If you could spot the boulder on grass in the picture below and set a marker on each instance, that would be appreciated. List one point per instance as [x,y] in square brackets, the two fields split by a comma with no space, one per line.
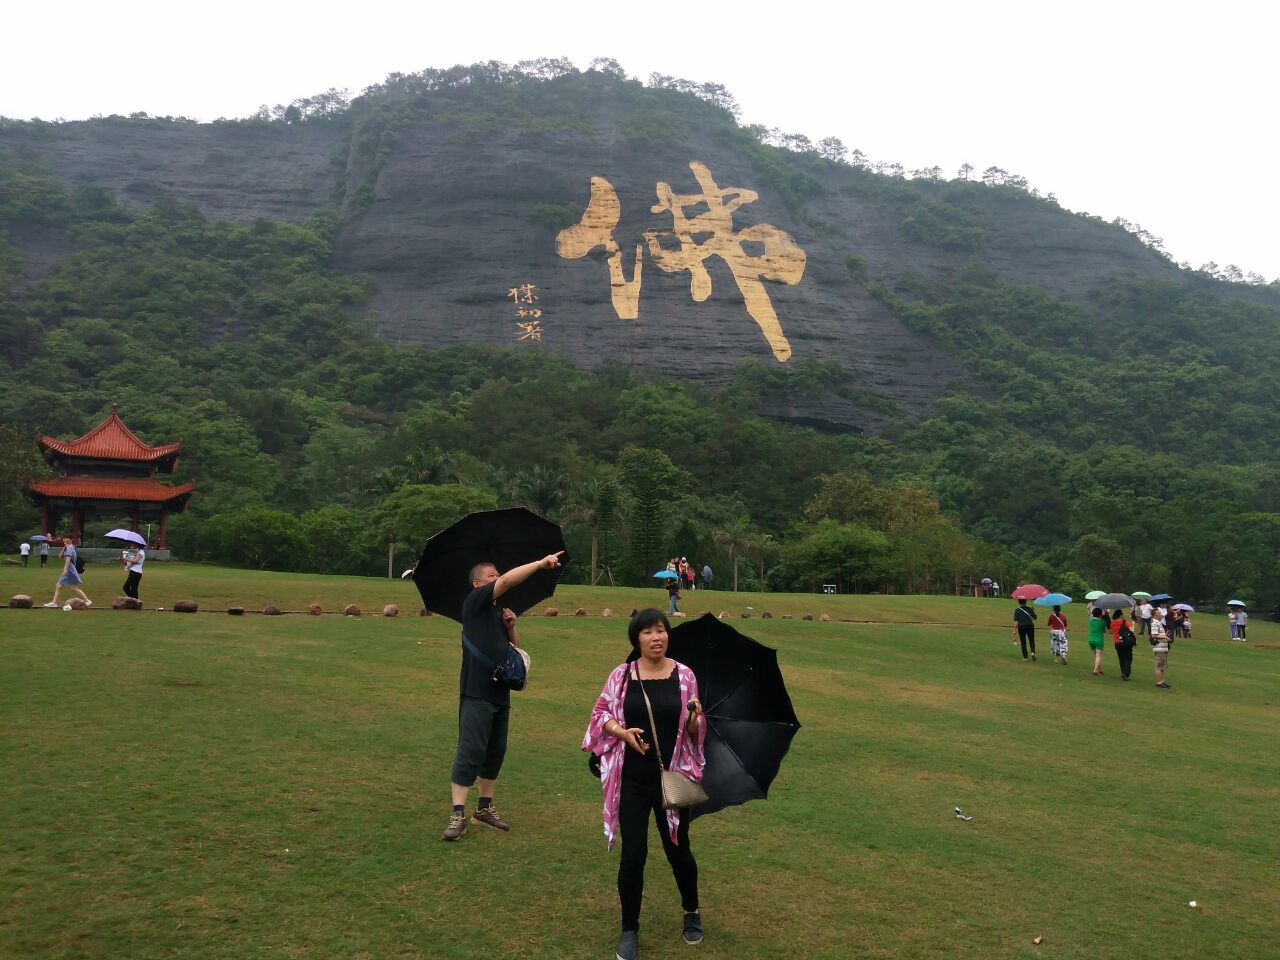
[746,614]
[20,601]
[271,610]
[766,615]
[634,611]
[391,610]
[424,612]
[131,603]
[75,603]
[551,612]
[314,610]
[236,611]
[679,613]
[185,606]
[807,616]
[118,603]
[825,618]
[724,614]
[787,616]
[606,612]
[579,612]
[352,609]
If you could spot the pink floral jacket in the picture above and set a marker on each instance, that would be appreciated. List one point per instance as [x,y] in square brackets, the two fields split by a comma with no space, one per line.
[687,758]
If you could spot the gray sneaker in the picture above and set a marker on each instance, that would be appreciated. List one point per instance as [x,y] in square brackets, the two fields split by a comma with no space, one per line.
[692,928]
[628,945]
[456,828]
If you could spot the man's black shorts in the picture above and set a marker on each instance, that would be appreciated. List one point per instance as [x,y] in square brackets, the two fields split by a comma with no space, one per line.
[482,740]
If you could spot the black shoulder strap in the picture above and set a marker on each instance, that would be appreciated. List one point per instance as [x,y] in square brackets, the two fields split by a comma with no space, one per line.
[475,652]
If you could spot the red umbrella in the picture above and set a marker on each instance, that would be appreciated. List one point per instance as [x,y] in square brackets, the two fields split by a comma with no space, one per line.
[1030,591]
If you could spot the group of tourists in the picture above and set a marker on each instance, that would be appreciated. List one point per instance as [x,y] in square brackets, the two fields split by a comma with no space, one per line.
[682,576]
[71,577]
[1158,623]
[647,719]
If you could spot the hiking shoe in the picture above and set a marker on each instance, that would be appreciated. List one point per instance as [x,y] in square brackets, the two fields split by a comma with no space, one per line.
[1033,656]
[456,828]
[628,945]
[692,928]
[1164,686]
[489,817]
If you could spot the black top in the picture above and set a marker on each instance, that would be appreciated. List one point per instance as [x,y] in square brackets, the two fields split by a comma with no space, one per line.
[1024,614]
[482,623]
[665,697]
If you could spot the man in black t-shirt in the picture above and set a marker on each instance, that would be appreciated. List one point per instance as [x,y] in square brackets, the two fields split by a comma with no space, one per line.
[483,704]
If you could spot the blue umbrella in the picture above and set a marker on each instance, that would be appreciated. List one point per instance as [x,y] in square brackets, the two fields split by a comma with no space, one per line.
[1162,596]
[1236,603]
[39,538]
[667,575]
[1052,600]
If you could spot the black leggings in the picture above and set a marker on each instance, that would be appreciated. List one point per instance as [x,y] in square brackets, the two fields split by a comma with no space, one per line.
[640,796]
[1027,635]
[131,584]
[1125,655]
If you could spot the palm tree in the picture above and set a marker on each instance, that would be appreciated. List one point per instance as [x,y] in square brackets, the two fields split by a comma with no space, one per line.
[594,503]
[765,546]
[735,538]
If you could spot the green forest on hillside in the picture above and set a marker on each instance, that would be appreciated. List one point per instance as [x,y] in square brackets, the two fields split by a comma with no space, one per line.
[1126,444]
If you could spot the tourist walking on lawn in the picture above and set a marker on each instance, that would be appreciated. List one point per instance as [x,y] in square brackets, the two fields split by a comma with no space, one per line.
[132,559]
[1144,616]
[25,552]
[1097,638]
[70,576]
[1125,639]
[633,751]
[483,704]
[1231,623]
[673,596]
[44,552]
[1242,619]
[1058,635]
[1024,618]
[1160,647]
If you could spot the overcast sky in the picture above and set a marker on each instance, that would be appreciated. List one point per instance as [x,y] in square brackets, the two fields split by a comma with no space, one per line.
[1161,113]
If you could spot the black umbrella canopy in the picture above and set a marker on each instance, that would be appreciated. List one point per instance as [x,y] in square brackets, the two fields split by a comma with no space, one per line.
[505,538]
[750,720]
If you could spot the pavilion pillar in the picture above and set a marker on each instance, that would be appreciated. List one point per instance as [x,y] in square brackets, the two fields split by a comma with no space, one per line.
[77,525]
[163,542]
[45,526]
[134,519]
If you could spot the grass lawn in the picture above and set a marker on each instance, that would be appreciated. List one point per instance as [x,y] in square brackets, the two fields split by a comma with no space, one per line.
[213,787]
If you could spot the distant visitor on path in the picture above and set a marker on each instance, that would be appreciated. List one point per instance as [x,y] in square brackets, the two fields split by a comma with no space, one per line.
[70,577]
[25,552]
[1024,618]
[44,552]
[673,596]
[632,753]
[484,704]
[706,576]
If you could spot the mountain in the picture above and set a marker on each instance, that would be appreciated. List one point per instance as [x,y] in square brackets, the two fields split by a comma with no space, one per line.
[454,187]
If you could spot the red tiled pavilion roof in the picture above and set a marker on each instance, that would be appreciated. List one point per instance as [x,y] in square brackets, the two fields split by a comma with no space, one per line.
[110,440]
[109,488]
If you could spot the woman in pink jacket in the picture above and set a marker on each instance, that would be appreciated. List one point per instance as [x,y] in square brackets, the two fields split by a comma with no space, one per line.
[619,734]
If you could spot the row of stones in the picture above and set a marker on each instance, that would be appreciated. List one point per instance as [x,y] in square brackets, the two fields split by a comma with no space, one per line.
[22,602]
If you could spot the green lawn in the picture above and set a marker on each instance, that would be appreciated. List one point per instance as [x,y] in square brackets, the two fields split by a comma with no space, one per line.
[207,787]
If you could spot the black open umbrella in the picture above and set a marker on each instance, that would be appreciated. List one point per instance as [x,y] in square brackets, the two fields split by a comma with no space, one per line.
[750,720]
[505,538]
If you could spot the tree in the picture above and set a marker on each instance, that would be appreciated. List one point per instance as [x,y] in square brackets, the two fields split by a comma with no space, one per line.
[412,513]
[849,555]
[965,171]
[20,462]
[653,481]
[596,504]
[735,539]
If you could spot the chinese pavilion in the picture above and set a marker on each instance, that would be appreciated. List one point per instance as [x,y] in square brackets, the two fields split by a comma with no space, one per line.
[108,472]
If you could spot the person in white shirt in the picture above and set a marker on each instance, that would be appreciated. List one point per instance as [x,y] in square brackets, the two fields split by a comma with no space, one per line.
[1160,647]
[133,558]
[1144,617]
[25,550]
[1241,619]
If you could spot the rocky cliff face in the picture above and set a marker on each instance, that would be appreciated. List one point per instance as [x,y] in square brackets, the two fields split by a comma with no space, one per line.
[458,222]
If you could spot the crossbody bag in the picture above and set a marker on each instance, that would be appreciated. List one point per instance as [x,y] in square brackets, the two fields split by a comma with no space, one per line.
[678,791]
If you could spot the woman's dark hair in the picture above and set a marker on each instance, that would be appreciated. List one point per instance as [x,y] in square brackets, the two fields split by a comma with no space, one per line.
[1097,613]
[642,620]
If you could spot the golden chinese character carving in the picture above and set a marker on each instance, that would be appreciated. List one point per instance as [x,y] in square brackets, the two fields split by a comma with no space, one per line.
[780,258]
[595,229]
[529,331]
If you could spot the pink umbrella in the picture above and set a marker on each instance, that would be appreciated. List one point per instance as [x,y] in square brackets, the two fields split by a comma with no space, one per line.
[1184,606]
[1030,591]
